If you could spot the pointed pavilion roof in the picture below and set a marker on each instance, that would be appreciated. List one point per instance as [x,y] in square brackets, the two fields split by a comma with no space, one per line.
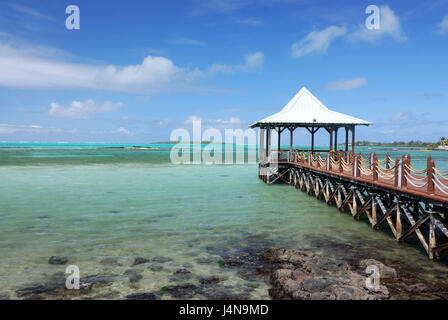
[306,110]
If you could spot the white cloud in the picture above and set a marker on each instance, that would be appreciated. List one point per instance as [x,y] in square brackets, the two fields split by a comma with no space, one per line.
[253,61]
[120,130]
[25,68]
[317,42]
[31,12]
[215,123]
[82,109]
[442,28]
[389,27]
[346,84]
[401,116]
[10,129]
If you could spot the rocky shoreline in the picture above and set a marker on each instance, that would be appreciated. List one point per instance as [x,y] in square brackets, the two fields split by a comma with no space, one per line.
[292,274]
[302,275]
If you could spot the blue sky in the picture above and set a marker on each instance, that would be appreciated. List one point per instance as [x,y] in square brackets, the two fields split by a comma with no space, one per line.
[136,70]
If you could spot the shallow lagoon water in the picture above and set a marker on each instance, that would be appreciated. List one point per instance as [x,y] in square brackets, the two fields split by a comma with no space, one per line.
[104,208]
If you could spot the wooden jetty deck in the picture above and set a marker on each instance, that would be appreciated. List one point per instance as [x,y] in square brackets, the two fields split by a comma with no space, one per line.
[388,192]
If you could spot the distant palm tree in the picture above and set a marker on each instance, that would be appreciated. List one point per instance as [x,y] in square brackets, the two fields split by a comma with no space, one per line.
[443,141]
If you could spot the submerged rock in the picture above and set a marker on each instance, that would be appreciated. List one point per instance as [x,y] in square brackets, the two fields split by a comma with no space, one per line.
[135,278]
[155,268]
[110,261]
[142,296]
[181,274]
[160,259]
[209,260]
[98,280]
[44,217]
[57,260]
[134,275]
[182,271]
[114,295]
[51,291]
[224,294]
[140,260]
[184,291]
[209,281]
[58,290]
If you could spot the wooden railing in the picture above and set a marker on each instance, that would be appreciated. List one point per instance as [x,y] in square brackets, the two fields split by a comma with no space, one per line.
[398,174]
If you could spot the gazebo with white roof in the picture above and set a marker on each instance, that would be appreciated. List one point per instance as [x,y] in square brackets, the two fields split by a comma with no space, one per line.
[306,111]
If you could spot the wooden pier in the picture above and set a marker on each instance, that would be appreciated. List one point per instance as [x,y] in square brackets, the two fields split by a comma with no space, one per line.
[389,192]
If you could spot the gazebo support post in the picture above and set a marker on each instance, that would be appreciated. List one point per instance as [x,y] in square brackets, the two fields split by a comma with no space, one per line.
[336,139]
[278,141]
[268,143]
[346,139]
[312,131]
[261,146]
[312,140]
[291,141]
[353,139]
[331,138]
[330,131]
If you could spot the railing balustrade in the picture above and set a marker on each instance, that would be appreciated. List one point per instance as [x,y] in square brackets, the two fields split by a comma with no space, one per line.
[399,174]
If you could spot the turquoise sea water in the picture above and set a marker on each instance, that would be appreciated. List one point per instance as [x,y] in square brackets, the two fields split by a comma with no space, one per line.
[102,208]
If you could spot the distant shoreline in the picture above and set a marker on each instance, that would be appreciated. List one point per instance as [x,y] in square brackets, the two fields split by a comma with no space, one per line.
[149,148]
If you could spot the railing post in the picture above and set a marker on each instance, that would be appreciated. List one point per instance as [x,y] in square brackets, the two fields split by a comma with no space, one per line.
[355,165]
[408,162]
[398,172]
[404,170]
[358,165]
[341,170]
[318,159]
[374,167]
[370,160]
[430,175]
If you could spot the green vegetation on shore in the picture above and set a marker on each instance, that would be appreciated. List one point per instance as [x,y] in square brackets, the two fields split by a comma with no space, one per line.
[442,142]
